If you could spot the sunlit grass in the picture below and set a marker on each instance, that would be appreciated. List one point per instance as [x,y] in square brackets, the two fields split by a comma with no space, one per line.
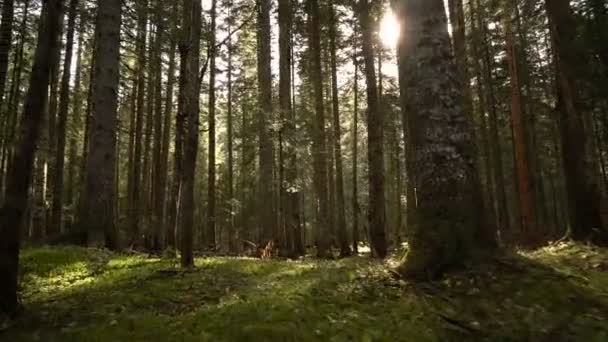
[77,294]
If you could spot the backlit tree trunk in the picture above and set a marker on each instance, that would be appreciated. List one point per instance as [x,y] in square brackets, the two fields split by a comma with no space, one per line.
[442,159]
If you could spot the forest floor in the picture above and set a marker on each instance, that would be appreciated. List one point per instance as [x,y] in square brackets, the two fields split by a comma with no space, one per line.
[559,293]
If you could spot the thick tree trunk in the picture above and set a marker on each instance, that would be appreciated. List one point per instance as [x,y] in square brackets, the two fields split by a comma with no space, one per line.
[442,155]
[12,213]
[64,101]
[375,149]
[190,106]
[100,210]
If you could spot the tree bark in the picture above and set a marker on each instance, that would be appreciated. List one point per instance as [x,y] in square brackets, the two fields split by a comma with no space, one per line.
[447,225]
[64,93]
[319,141]
[583,195]
[267,221]
[100,210]
[211,181]
[341,215]
[12,213]
[190,106]
[375,149]
[529,234]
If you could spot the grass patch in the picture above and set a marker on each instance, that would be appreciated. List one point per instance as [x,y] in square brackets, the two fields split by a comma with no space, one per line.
[77,294]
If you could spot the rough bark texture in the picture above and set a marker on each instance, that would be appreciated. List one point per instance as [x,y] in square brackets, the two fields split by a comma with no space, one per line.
[190,106]
[12,213]
[442,143]
[375,148]
[100,211]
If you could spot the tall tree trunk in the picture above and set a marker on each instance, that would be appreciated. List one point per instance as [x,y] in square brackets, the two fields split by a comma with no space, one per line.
[12,213]
[457,19]
[529,234]
[211,181]
[64,101]
[100,210]
[442,144]
[169,207]
[341,215]
[77,114]
[583,194]
[319,141]
[157,183]
[142,24]
[291,211]
[375,149]
[267,214]
[494,136]
[190,106]
[355,148]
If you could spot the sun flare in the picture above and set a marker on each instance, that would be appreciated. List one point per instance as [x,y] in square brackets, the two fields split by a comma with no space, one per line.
[389,29]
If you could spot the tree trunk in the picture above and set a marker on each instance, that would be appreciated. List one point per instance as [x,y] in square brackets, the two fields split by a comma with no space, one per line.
[64,101]
[169,207]
[100,209]
[12,213]
[529,234]
[583,195]
[319,141]
[341,215]
[211,182]
[291,212]
[267,215]
[190,106]
[375,149]
[355,148]
[157,183]
[442,157]
[142,24]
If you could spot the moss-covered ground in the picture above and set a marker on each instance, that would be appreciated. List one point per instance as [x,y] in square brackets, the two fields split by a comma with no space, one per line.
[559,293]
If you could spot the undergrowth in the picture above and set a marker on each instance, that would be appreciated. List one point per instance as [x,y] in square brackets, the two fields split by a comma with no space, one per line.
[75,294]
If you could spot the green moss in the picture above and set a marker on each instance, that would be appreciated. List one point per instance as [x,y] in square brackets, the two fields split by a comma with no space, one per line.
[75,294]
